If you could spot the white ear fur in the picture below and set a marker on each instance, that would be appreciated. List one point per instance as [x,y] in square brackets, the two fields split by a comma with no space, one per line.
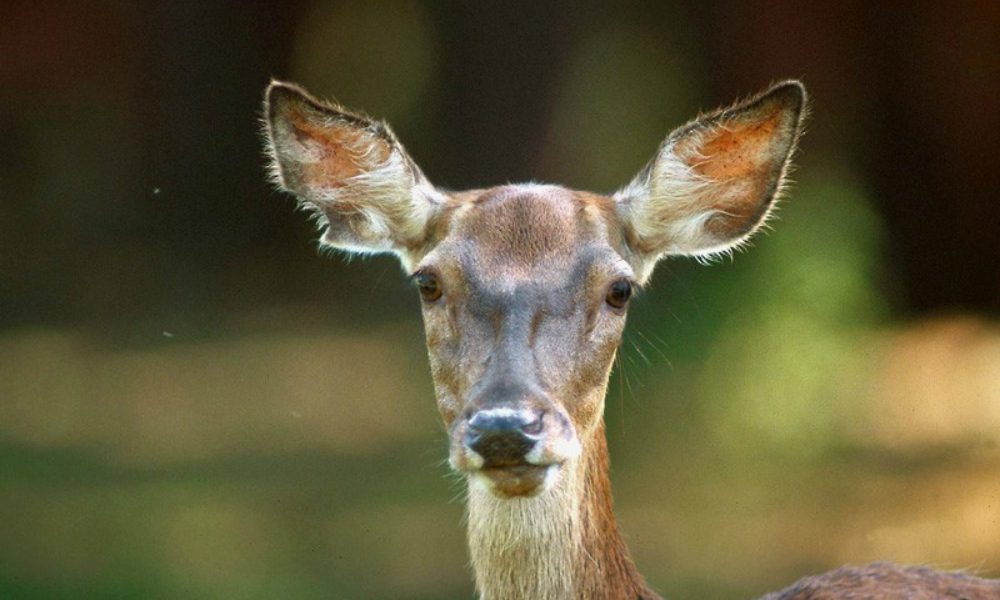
[366,193]
[713,182]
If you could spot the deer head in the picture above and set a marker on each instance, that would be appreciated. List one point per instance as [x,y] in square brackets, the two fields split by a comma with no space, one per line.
[524,293]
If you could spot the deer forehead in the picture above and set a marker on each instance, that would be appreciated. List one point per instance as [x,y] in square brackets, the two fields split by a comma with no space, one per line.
[517,235]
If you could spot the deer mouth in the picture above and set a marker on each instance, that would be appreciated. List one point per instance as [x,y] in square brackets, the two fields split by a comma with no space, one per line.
[517,480]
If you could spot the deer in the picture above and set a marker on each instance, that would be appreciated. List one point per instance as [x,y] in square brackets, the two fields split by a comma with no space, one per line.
[524,291]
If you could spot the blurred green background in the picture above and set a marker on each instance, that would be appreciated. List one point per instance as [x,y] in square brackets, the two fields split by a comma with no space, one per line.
[194,404]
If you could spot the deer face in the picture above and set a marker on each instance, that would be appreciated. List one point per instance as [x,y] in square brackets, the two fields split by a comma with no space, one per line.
[524,302]
[525,288]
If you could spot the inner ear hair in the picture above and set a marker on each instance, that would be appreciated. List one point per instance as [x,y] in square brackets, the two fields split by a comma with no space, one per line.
[302,130]
[750,139]
[350,171]
[713,182]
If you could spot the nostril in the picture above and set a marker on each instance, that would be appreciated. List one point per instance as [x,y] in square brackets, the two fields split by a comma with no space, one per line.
[473,440]
[533,427]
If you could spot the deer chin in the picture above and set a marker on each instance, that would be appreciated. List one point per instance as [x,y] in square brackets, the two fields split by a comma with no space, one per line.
[516,481]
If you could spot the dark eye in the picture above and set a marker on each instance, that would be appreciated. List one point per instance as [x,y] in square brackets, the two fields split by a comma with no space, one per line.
[427,283]
[619,293]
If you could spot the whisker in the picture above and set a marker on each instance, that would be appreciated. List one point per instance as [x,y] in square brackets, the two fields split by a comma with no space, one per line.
[621,389]
[655,347]
[628,382]
[639,350]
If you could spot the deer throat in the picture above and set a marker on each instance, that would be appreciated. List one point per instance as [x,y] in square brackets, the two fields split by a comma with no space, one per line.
[563,543]
[526,547]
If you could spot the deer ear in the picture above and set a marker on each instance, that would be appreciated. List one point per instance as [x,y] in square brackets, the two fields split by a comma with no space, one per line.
[368,194]
[713,182]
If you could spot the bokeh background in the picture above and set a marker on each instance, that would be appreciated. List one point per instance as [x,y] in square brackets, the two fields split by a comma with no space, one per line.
[194,404]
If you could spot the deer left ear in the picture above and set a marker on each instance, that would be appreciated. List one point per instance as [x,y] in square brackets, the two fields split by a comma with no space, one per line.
[713,182]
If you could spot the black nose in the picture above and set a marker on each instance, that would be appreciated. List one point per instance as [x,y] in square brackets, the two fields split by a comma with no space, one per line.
[501,436]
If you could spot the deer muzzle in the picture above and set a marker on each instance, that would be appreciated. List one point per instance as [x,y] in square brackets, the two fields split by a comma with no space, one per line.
[514,451]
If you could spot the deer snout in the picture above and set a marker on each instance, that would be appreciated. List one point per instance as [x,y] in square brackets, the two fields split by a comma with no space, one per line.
[514,451]
[503,436]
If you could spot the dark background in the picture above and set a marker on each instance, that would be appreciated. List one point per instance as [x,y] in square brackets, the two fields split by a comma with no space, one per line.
[193,403]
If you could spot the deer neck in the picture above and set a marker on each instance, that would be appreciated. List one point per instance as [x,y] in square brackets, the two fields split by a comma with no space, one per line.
[561,544]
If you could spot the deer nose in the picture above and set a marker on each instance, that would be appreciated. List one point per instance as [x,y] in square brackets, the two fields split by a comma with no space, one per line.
[503,436]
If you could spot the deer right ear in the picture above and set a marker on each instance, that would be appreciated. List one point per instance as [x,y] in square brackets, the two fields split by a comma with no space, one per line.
[713,182]
[369,195]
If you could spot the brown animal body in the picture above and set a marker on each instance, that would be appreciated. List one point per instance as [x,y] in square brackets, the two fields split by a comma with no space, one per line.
[524,293]
[886,581]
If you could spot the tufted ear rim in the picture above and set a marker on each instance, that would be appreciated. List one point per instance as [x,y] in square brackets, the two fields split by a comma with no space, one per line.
[713,182]
[283,98]
[280,94]
[349,170]
[790,95]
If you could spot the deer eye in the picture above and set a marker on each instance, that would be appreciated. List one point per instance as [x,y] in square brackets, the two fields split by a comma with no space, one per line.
[619,293]
[428,284]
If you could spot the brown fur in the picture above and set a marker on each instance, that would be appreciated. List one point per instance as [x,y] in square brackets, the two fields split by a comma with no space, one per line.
[514,231]
[611,574]
[885,581]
